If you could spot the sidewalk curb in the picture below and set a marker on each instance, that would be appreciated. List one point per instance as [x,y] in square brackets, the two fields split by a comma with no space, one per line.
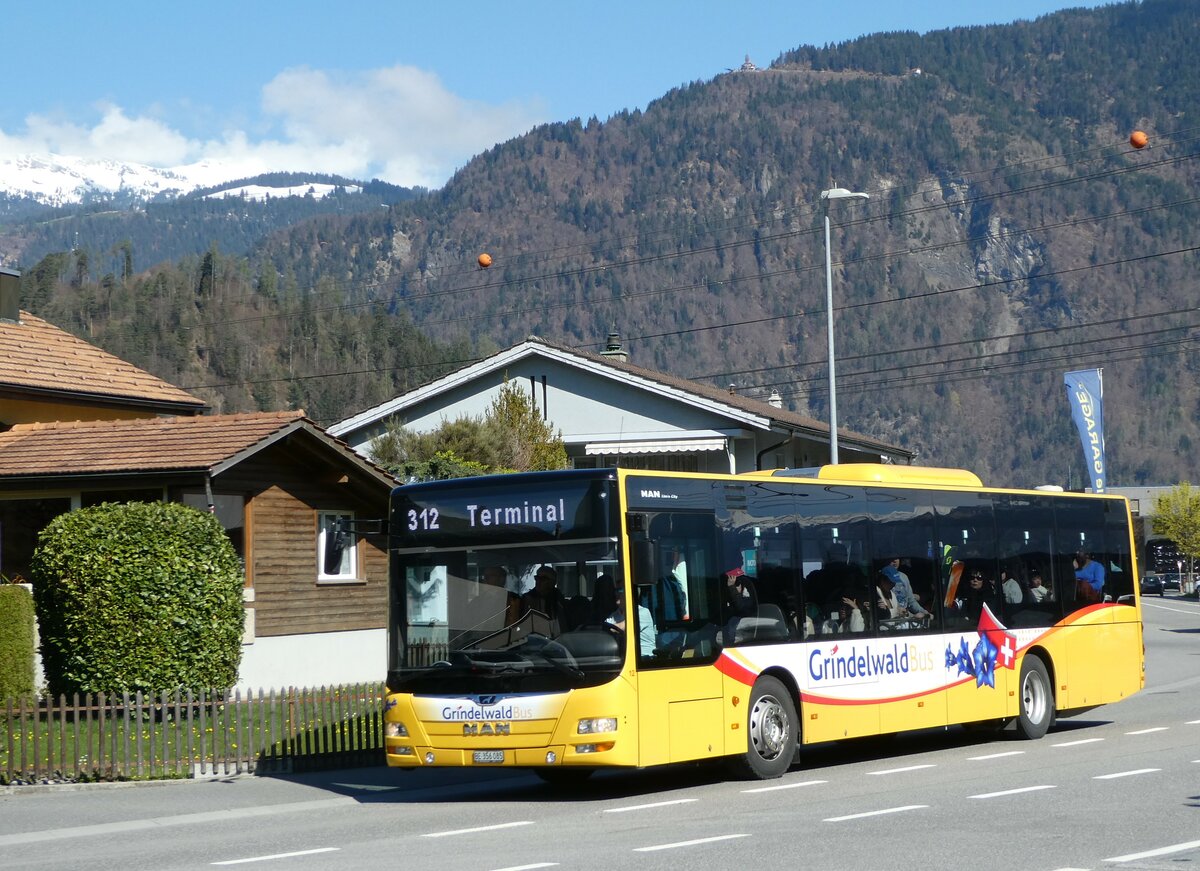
[44,788]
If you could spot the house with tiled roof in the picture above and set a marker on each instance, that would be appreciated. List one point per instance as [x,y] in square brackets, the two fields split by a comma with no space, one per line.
[48,374]
[611,412]
[79,427]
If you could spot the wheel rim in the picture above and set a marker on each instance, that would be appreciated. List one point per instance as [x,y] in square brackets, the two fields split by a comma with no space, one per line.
[1034,697]
[769,727]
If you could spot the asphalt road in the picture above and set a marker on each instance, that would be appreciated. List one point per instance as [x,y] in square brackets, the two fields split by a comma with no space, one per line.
[1116,788]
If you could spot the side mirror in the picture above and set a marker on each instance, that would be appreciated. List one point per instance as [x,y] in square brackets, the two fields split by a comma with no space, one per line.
[644,558]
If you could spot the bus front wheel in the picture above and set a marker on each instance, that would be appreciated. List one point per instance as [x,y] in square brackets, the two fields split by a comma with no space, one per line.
[772,727]
[1037,699]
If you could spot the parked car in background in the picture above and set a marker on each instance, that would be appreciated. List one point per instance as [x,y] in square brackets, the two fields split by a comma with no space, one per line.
[1152,585]
[1172,581]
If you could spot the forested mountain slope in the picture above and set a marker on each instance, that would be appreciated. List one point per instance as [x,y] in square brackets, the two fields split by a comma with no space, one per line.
[1012,233]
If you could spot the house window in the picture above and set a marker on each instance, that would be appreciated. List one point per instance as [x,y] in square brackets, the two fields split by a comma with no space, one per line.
[337,549]
[20,522]
[230,510]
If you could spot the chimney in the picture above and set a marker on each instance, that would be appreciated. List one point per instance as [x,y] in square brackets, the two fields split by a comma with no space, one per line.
[10,293]
[613,348]
[775,399]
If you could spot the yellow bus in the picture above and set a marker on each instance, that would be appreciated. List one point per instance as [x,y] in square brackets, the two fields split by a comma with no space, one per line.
[571,621]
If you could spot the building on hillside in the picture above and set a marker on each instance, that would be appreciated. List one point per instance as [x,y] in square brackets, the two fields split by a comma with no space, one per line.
[315,590]
[612,412]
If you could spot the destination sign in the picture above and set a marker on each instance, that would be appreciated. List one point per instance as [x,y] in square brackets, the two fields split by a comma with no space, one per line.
[507,508]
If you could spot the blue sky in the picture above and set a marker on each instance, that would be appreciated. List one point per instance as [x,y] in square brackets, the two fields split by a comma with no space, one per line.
[403,91]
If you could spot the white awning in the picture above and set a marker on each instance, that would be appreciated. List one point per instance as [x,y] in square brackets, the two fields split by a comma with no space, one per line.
[655,446]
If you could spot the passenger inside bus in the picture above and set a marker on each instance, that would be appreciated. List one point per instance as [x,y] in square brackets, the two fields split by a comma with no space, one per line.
[1090,577]
[980,591]
[1038,592]
[847,618]
[545,598]
[604,599]
[647,637]
[887,606]
[906,597]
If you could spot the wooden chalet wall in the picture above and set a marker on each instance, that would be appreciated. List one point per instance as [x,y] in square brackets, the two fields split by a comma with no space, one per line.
[281,535]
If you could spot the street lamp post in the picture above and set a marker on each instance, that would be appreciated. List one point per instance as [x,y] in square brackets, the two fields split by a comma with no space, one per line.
[833,194]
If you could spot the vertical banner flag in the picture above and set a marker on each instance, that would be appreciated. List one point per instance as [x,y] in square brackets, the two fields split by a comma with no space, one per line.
[1085,390]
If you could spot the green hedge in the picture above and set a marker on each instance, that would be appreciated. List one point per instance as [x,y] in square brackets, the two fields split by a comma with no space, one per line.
[137,596]
[16,642]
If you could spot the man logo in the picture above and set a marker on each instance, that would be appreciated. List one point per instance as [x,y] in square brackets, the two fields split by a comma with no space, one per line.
[478,730]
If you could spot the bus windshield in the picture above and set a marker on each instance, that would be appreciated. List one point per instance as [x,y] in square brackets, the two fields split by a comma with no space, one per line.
[498,591]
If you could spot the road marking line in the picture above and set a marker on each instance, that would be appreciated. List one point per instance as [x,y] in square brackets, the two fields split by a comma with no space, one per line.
[1126,773]
[642,807]
[785,786]
[278,856]
[1077,743]
[179,820]
[1168,608]
[1148,731]
[529,867]
[899,770]
[1192,723]
[477,829]
[995,756]
[1013,791]
[890,810]
[687,843]
[1161,851]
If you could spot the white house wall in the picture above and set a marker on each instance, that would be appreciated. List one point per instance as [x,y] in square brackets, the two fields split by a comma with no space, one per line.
[313,660]
[584,406]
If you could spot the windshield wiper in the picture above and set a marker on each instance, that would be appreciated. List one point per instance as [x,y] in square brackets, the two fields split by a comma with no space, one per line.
[560,666]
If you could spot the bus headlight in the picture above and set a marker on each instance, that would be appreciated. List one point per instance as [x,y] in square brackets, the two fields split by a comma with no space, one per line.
[597,724]
[395,730]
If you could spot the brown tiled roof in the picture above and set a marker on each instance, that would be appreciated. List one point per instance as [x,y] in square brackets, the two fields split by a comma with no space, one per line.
[165,444]
[35,355]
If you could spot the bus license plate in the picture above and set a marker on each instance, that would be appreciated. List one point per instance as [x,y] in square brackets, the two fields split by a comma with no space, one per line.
[488,756]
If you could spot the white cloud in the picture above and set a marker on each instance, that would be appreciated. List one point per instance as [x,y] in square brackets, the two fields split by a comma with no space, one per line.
[400,124]
[401,120]
[115,135]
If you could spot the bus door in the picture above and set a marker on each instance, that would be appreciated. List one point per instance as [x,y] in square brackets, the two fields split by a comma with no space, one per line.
[680,693]
[1092,658]
[978,654]
[673,581]
[904,556]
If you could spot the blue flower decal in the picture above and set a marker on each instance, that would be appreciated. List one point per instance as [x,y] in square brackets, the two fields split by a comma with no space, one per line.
[979,663]
[985,662]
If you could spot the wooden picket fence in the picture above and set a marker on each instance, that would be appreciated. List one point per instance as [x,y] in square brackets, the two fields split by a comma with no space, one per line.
[186,734]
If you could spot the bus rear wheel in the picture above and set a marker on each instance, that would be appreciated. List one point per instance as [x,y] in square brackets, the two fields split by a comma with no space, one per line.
[1037,699]
[770,734]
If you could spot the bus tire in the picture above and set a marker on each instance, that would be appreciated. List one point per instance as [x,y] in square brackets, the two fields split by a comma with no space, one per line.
[771,732]
[1036,698]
